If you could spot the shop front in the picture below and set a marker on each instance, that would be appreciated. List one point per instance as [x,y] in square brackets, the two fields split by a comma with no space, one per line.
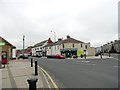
[6,48]
[69,52]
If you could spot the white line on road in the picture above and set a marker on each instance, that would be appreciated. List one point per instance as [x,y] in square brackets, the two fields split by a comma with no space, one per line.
[86,61]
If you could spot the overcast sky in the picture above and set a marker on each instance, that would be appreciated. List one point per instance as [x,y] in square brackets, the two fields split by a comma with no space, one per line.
[94,21]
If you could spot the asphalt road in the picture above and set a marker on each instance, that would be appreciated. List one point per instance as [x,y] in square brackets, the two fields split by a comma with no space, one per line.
[76,73]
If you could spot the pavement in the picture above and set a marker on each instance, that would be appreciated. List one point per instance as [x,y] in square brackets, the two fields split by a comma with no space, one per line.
[17,72]
[93,57]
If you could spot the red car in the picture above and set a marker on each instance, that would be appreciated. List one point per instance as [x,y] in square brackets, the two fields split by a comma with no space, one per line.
[59,56]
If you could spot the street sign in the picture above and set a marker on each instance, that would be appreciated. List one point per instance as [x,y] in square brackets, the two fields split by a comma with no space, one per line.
[2,44]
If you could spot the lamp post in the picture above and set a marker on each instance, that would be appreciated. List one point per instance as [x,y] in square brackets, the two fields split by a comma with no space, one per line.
[54,35]
[54,39]
[23,44]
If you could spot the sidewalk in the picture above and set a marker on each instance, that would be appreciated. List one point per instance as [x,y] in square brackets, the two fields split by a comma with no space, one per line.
[16,73]
[97,57]
[93,57]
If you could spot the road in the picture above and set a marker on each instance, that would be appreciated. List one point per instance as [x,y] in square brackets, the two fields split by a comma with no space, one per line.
[76,73]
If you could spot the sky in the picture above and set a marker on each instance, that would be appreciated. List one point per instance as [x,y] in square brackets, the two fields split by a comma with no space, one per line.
[94,21]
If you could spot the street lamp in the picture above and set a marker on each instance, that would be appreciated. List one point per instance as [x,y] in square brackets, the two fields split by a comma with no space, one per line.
[54,39]
[23,44]
[54,35]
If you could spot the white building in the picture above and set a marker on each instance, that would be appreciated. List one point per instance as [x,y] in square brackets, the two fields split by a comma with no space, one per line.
[39,48]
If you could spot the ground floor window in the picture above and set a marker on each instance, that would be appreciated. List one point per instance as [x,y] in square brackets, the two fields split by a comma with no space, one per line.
[69,53]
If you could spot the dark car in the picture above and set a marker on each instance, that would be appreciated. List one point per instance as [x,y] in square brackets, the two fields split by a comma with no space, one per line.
[98,53]
[25,56]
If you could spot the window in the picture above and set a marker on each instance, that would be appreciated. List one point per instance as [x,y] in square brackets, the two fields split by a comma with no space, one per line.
[63,46]
[73,45]
[86,46]
[37,48]
[81,45]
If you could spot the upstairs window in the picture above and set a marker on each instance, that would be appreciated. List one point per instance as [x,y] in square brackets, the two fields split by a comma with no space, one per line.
[86,46]
[58,47]
[81,45]
[63,46]
[73,45]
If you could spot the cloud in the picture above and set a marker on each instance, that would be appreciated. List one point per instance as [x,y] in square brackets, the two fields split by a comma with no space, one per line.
[85,20]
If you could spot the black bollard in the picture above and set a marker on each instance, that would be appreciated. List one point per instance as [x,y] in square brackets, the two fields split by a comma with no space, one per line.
[32,83]
[31,62]
[85,56]
[36,71]
[101,55]
[109,54]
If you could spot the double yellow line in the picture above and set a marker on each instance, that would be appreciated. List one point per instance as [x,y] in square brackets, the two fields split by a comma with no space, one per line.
[52,81]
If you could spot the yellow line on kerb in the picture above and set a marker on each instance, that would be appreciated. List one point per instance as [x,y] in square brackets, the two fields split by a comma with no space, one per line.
[55,86]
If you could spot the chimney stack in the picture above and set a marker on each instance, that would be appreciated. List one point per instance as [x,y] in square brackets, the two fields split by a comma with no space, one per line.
[59,39]
[68,36]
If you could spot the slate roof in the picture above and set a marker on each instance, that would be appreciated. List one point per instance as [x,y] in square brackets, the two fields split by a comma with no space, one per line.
[71,40]
[40,44]
[68,40]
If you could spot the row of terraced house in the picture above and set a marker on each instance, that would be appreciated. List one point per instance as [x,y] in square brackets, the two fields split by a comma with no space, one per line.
[67,47]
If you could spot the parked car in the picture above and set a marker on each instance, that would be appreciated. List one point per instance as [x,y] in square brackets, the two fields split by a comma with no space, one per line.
[25,56]
[59,57]
[98,53]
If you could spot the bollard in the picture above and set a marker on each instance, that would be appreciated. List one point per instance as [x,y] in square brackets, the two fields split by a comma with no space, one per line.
[85,56]
[31,62]
[109,54]
[32,83]
[101,55]
[36,71]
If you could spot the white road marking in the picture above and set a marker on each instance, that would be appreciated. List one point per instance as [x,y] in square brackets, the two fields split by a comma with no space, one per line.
[93,64]
[86,61]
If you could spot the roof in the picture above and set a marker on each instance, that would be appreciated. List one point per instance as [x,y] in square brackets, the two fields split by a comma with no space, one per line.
[49,42]
[68,40]
[40,44]
[71,40]
[6,42]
